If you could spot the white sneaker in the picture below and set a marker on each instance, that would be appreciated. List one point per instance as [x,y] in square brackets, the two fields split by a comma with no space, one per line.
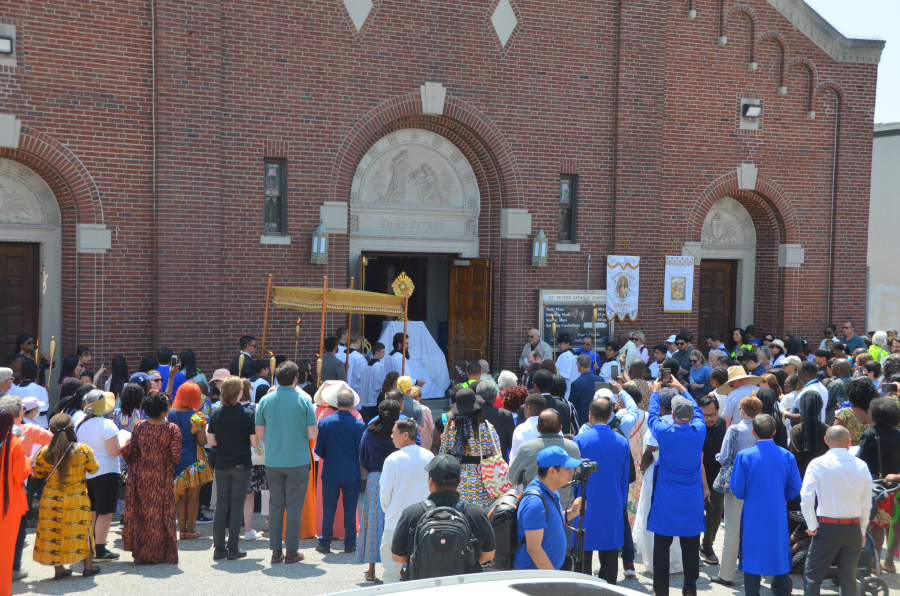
[251,535]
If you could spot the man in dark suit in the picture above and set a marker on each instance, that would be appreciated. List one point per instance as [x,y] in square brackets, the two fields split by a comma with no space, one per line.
[248,349]
[332,367]
[583,387]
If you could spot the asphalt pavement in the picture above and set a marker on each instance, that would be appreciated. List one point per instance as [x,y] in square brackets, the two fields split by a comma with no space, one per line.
[197,573]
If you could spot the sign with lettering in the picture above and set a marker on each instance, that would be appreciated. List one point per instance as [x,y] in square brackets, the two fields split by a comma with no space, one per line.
[573,313]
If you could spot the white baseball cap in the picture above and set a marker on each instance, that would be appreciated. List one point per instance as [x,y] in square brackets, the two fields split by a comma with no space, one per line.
[671,339]
[30,403]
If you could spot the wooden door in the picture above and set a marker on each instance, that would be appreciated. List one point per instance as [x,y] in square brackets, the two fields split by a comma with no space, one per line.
[469,317]
[717,300]
[19,293]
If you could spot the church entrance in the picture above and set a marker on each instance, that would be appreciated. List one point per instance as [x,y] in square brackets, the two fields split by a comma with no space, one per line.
[452,298]
[429,273]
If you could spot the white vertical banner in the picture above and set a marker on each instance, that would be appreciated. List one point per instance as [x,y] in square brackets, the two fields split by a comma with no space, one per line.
[678,287]
[622,277]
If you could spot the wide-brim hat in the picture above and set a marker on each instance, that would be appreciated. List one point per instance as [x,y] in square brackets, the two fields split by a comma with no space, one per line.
[467,402]
[736,373]
[220,374]
[779,343]
[327,394]
[792,360]
[104,405]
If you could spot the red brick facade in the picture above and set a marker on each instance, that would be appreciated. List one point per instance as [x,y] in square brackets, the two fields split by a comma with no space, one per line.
[238,82]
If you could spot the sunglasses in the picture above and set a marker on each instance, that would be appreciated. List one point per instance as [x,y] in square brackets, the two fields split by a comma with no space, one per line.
[680,344]
[847,327]
[694,361]
[156,379]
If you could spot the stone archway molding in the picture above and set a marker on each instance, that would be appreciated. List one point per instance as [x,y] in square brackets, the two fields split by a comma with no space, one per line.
[746,177]
[429,100]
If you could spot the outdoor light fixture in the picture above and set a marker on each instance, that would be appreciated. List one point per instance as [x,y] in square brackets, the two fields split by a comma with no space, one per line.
[751,111]
[539,250]
[320,245]
[6,45]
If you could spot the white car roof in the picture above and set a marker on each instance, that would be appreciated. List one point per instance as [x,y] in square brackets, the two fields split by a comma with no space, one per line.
[503,583]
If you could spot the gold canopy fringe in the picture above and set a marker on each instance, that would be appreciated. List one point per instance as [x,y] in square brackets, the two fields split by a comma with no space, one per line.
[355,301]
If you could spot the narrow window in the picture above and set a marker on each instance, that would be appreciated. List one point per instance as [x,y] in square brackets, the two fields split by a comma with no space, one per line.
[274,200]
[568,200]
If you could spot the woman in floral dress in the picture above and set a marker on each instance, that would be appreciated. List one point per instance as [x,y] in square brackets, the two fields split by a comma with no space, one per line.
[192,471]
[470,438]
[151,453]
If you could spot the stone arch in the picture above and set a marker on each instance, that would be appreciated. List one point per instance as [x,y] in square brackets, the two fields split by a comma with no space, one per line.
[79,202]
[811,71]
[781,42]
[766,288]
[766,189]
[472,125]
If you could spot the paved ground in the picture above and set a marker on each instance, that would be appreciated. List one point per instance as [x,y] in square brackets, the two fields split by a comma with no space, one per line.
[197,574]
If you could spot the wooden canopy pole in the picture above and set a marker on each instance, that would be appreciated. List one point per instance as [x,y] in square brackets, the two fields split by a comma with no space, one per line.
[322,332]
[262,349]
[403,354]
[349,328]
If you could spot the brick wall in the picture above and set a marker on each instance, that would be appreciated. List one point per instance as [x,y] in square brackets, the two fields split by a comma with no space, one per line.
[238,82]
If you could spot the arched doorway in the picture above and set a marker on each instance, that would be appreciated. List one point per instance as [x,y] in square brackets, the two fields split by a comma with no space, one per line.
[415,206]
[30,255]
[727,269]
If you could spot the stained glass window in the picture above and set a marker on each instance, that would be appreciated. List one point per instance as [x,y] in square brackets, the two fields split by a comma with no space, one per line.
[567,198]
[273,199]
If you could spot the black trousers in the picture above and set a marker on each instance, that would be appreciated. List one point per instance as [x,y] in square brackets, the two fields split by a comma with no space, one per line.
[206,489]
[837,545]
[713,517]
[781,585]
[609,564]
[690,554]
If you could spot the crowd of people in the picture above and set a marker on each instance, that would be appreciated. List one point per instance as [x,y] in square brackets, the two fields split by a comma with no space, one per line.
[749,429]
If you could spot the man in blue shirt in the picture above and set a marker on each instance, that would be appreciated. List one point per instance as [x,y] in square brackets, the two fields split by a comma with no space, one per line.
[286,420]
[540,516]
[583,387]
[338,447]
[677,508]
[164,358]
[606,492]
[587,347]
[851,340]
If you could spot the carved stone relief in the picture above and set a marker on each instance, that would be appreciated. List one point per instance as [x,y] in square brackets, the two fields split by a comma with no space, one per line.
[728,224]
[414,182]
[24,196]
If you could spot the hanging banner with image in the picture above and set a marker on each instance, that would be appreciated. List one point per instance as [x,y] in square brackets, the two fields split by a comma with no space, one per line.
[678,287]
[622,275]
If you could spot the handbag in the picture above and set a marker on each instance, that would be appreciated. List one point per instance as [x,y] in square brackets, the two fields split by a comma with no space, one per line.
[494,472]
[723,478]
[258,454]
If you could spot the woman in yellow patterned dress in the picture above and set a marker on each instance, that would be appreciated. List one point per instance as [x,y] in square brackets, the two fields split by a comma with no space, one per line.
[64,525]
[192,471]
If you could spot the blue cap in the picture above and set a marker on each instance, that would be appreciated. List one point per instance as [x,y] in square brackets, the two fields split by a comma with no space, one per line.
[138,377]
[556,456]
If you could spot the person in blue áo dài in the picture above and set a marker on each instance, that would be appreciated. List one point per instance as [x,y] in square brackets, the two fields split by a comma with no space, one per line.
[766,477]
[677,508]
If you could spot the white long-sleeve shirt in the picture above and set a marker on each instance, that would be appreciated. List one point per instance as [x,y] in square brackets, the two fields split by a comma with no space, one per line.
[404,482]
[524,432]
[843,486]
[567,367]
[371,379]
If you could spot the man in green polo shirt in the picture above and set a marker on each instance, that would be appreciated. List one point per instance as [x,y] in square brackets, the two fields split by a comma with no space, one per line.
[286,420]
[473,374]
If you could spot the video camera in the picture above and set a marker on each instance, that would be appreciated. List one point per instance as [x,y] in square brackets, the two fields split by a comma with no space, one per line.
[584,471]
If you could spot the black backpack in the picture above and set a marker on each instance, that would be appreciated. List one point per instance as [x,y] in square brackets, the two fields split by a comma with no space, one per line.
[502,515]
[442,544]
